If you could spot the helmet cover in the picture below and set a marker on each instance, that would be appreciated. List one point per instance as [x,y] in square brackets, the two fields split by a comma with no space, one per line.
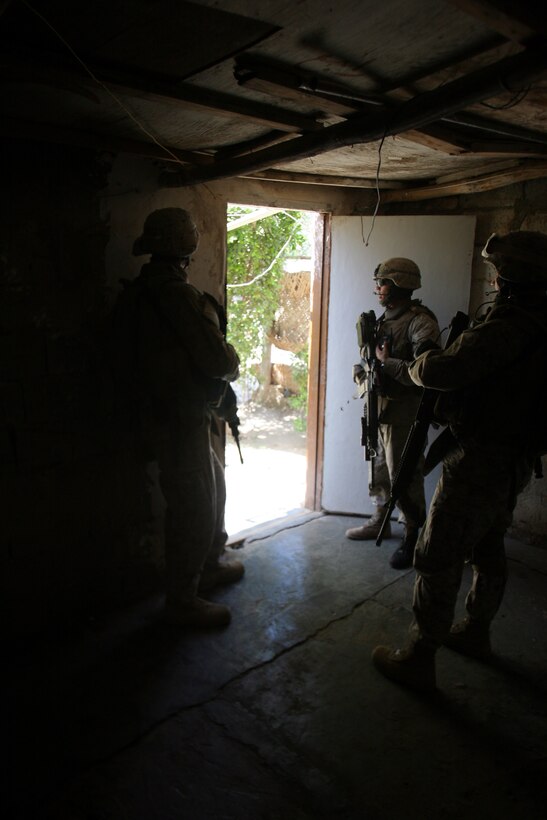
[404,273]
[518,256]
[167,232]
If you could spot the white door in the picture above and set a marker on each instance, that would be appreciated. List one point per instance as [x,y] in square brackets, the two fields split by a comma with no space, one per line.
[442,246]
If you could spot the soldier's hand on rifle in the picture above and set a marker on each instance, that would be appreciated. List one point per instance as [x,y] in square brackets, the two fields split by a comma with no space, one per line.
[383,351]
[358,373]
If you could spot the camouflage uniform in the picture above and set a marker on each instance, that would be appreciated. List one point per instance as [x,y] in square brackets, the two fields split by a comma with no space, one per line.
[407,328]
[493,397]
[490,380]
[181,351]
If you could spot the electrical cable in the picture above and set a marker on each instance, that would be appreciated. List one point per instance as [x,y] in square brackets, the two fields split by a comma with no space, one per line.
[378,194]
[515,100]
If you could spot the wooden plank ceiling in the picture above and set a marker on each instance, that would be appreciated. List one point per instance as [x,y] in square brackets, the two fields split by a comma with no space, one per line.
[418,97]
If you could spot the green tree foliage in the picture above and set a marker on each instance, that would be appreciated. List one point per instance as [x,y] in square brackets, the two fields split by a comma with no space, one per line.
[255,256]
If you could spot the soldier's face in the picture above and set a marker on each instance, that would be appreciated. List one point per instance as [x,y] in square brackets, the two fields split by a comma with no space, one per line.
[382,291]
[493,275]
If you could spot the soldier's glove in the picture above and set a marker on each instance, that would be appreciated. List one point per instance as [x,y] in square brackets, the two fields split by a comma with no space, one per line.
[227,408]
[358,373]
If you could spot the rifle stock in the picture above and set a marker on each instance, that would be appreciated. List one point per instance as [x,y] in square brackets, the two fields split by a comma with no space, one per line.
[417,436]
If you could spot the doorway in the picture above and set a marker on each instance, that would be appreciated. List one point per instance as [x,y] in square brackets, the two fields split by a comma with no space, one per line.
[270,270]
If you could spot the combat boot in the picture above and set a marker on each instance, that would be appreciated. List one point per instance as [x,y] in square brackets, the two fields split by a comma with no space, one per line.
[370,530]
[198,612]
[413,666]
[403,556]
[224,572]
[471,638]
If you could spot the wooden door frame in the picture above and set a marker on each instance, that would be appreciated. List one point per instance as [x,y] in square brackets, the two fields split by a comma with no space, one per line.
[317,365]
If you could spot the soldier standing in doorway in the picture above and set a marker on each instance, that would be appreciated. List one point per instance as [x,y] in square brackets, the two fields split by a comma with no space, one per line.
[405,328]
[184,361]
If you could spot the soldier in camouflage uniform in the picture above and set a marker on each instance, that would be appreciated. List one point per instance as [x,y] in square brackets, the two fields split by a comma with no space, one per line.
[406,327]
[183,356]
[497,433]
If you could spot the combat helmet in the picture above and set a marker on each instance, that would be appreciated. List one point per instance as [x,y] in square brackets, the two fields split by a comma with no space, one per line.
[520,257]
[167,232]
[404,273]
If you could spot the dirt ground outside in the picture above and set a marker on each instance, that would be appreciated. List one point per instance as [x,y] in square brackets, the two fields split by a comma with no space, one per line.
[272,480]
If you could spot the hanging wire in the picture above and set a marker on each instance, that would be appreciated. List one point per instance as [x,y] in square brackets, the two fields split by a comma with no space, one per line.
[378,195]
[515,100]
[101,84]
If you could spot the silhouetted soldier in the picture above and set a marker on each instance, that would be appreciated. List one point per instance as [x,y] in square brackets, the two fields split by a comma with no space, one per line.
[184,360]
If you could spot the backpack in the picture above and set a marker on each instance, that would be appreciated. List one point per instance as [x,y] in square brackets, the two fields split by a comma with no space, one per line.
[123,399]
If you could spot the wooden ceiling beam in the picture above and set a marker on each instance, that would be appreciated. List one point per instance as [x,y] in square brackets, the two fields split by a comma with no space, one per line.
[422,110]
[247,146]
[271,175]
[465,175]
[437,138]
[290,85]
[17,68]
[473,180]
[309,89]
[488,182]
[342,102]
[483,128]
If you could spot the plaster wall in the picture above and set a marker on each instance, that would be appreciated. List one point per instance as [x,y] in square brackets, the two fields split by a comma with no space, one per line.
[132,193]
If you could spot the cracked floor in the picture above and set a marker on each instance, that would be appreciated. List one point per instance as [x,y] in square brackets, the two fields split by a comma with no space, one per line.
[281,716]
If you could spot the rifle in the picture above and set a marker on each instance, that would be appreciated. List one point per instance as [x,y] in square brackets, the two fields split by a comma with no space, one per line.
[226,404]
[227,410]
[417,436]
[366,339]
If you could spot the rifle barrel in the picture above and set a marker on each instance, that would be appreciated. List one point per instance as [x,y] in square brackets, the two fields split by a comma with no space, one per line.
[385,522]
[239,450]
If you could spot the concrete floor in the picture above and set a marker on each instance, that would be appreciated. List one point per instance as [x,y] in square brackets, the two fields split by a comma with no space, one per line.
[282,716]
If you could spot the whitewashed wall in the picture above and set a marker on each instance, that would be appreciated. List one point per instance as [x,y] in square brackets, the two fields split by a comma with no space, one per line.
[442,246]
